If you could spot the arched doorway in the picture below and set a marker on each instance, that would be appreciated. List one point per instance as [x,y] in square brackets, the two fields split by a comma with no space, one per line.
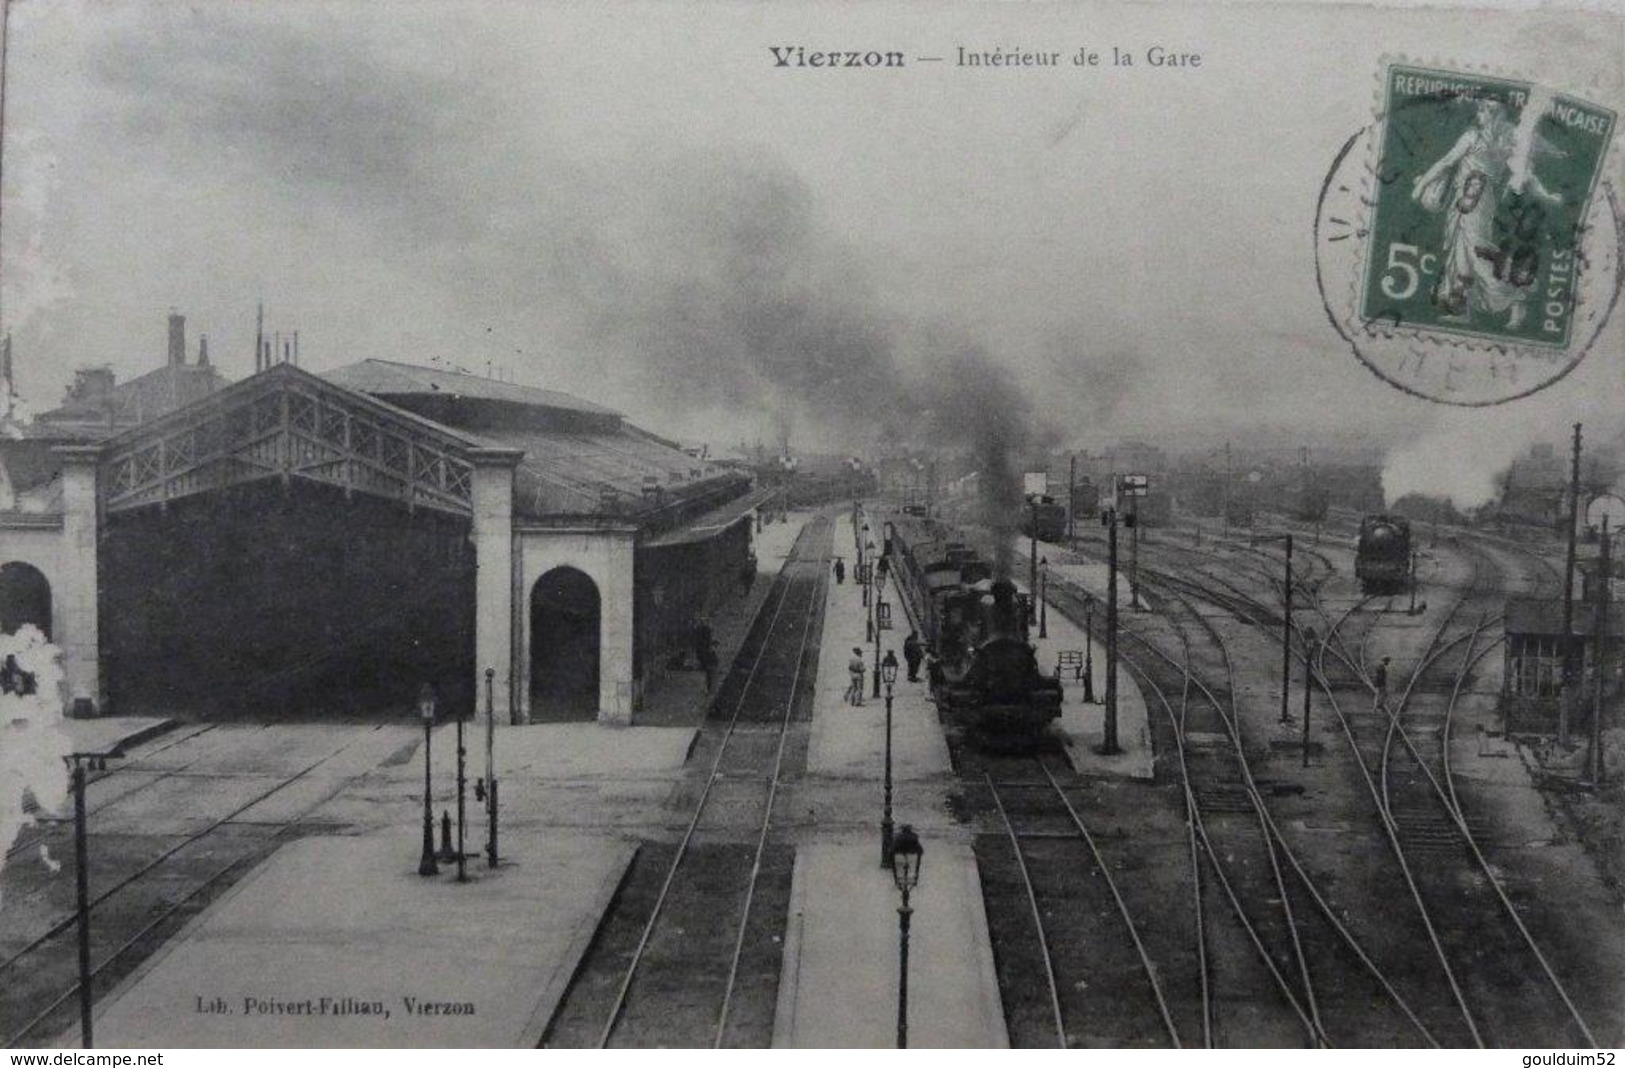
[564,646]
[25,597]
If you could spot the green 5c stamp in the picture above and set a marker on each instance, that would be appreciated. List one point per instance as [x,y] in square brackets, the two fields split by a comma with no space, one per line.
[1468,245]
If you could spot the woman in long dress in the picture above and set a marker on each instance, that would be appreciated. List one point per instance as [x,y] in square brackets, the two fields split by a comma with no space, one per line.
[1480,273]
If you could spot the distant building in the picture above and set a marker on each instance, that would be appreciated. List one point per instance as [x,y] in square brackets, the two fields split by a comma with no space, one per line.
[1533,658]
[1534,491]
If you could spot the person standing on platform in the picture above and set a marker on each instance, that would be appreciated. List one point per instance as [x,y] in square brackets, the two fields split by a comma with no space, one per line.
[913,654]
[707,657]
[701,636]
[840,571]
[854,668]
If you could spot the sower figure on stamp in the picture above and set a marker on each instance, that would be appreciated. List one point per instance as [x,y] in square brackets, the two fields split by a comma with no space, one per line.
[1468,184]
[913,654]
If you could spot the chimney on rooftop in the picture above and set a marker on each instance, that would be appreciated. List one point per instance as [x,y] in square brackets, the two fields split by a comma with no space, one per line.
[177,338]
[203,350]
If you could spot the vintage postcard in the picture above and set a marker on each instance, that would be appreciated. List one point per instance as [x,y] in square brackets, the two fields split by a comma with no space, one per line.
[811,525]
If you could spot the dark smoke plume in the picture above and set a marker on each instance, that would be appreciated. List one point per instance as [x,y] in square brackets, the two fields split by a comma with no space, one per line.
[738,297]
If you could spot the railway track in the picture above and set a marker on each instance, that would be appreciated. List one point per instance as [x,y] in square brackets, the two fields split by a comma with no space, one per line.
[45,1005]
[1094,980]
[699,933]
[1256,874]
[1476,929]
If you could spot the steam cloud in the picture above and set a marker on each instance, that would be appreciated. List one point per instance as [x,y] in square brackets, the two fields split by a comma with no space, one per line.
[32,740]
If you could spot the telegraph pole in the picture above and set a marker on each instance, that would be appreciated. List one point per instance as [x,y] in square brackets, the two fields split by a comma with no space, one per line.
[1603,597]
[1134,554]
[1308,685]
[1568,595]
[1032,569]
[1108,743]
[1071,492]
[1286,637]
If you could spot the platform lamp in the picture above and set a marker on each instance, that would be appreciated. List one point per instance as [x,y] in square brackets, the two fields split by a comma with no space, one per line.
[888,671]
[1089,648]
[78,765]
[426,863]
[907,859]
[485,789]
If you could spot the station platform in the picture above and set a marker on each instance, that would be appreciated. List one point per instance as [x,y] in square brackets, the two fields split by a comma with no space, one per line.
[849,741]
[401,960]
[105,733]
[838,985]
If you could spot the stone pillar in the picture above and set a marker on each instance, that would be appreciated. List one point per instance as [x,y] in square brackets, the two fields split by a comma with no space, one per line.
[493,581]
[616,598]
[77,582]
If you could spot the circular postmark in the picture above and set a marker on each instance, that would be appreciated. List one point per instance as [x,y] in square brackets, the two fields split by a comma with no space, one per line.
[1466,245]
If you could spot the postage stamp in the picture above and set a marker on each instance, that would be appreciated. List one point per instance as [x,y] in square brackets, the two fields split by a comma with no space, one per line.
[1467,241]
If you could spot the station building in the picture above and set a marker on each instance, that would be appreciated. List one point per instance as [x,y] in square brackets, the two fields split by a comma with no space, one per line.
[302,544]
[1534,656]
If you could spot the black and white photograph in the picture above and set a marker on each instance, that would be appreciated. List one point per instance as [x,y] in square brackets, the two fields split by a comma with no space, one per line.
[725,524]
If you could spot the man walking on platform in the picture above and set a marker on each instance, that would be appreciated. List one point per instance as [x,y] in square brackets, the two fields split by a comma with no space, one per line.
[913,654]
[840,571]
[854,668]
[708,664]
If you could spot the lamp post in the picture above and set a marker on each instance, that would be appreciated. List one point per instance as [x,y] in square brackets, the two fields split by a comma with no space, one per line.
[462,783]
[882,617]
[426,863]
[486,789]
[1043,603]
[888,668]
[78,763]
[907,857]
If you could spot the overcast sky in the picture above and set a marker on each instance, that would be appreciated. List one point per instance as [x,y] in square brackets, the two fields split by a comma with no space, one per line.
[633,204]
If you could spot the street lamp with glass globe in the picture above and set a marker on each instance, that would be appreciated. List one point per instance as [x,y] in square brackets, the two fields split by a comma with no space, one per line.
[907,858]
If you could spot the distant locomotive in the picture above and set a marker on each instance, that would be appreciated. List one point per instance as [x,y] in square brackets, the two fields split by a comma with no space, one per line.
[1382,559]
[984,675]
[1046,515]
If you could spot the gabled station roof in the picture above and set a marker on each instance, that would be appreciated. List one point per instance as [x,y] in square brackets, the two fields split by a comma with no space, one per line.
[386,378]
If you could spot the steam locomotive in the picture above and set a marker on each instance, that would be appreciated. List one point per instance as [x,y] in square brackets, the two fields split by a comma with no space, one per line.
[984,675]
[1044,519]
[1382,557]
